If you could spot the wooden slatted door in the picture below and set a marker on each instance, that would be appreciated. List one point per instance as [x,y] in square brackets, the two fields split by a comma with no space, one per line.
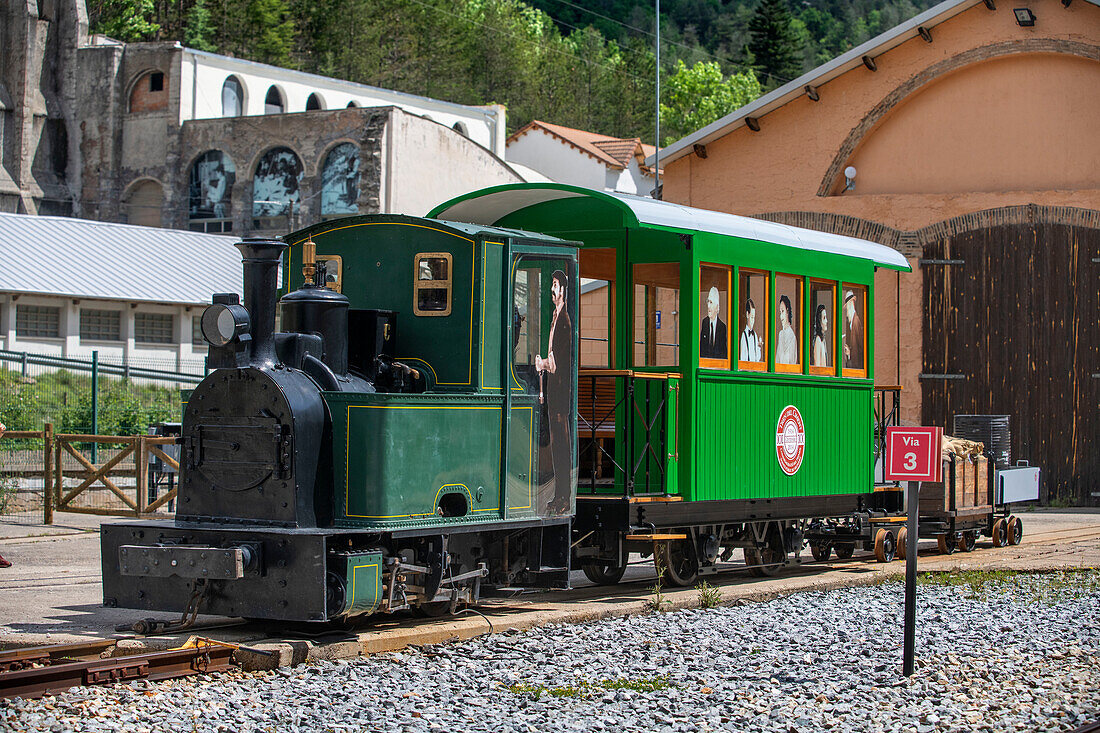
[1012,327]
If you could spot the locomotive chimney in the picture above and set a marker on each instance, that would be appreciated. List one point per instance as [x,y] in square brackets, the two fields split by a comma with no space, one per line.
[261,269]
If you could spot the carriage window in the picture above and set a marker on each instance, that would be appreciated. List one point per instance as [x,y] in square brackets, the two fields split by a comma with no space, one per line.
[853,337]
[714,315]
[432,284]
[752,304]
[822,327]
[788,323]
[657,314]
[597,307]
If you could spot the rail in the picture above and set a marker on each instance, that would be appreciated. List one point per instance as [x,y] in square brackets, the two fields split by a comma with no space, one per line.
[630,412]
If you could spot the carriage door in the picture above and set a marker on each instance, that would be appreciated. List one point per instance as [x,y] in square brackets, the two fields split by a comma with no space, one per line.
[542,475]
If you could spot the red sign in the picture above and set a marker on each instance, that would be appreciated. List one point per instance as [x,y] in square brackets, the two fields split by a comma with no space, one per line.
[790,440]
[913,454]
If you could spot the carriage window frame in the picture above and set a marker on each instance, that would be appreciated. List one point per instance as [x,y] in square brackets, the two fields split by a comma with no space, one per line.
[796,311]
[710,362]
[834,341]
[420,285]
[590,254]
[640,277]
[761,323]
[865,291]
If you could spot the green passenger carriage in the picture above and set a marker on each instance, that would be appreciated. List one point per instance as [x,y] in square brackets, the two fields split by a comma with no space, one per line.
[726,381]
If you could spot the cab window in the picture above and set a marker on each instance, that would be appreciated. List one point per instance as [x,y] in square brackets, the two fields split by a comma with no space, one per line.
[432,279]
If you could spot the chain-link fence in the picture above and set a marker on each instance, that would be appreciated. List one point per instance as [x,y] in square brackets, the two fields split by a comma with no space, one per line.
[97,397]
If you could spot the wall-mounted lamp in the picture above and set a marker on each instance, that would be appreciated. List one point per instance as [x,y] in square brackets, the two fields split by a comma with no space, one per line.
[1065,3]
[753,123]
[700,150]
[850,178]
[1024,17]
[870,63]
[990,4]
[925,33]
[811,92]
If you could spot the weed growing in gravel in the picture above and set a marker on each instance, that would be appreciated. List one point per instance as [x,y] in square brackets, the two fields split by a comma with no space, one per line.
[1042,587]
[658,601]
[586,689]
[709,597]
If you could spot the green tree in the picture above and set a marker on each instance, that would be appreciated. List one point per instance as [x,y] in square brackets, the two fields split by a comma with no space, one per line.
[199,30]
[774,44]
[123,20]
[700,94]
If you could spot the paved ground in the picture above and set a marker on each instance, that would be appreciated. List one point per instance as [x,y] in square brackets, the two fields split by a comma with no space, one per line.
[52,593]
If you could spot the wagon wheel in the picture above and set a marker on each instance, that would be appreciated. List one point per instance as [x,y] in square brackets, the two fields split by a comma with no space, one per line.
[603,573]
[679,561]
[947,543]
[903,542]
[967,540]
[844,550]
[435,609]
[884,545]
[1000,533]
[765,561]
[1015,530]
[821,550]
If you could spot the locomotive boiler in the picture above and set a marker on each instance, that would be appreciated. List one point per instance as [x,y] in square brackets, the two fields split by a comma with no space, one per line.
[389,448]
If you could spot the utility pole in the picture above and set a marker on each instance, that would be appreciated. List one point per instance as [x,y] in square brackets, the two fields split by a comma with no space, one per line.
[657,141]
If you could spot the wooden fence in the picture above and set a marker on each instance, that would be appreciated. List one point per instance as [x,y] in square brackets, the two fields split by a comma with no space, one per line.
[64,456]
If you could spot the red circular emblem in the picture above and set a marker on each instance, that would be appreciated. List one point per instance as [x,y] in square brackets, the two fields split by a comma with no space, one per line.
[790,440]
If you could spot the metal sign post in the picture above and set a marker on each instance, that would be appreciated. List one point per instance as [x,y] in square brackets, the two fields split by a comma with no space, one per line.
[913,455]
[910,622]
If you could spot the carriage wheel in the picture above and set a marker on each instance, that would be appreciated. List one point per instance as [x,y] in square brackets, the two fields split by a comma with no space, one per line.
[1015,530]
[821,550]
[678,559]
[967,540]
[765,561]
[603,573]
[947,543]
[884,545]
[903,542]
[1000,533]
[845,550]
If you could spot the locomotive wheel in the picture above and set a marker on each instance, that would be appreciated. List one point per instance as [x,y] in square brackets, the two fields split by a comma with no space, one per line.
[967,540]
[678,559]
[435,609]
[947,543]
[884,545]
[1000,533]
[844,550]
[821,550]
[1015,530]
[603,573]
[903,543]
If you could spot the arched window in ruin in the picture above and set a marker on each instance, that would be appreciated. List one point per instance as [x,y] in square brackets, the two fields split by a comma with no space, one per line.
[314,101]
[150,92]
[340,181]
[274,104]
[210,203]
[275,185]
[232,97]
[142,204]
[460,128]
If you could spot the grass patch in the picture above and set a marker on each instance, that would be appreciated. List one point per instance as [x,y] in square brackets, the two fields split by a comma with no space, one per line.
[587,689]
[709,596]
[1047,588]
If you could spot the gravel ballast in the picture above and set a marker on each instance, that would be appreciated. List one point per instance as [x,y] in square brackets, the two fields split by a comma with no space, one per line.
[1000,653]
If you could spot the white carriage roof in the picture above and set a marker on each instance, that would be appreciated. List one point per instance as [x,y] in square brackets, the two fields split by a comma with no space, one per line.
[54,255]
[493,204]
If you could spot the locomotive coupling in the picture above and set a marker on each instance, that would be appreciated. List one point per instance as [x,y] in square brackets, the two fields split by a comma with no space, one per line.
[188,561]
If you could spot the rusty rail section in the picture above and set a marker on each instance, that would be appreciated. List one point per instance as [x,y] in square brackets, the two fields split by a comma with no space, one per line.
[45,670]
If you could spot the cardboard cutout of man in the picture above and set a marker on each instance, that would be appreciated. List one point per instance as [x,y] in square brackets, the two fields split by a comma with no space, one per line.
[556,370]
[853,333]
[712,337]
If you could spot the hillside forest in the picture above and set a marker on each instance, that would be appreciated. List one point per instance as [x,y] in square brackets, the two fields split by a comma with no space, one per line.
[588,64]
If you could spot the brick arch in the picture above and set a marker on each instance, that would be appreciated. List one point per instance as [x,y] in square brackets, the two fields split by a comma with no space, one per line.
[911,243]
[917,81]
[147,101]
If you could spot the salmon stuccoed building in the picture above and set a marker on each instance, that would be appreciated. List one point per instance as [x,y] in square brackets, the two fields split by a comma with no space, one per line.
[967,138]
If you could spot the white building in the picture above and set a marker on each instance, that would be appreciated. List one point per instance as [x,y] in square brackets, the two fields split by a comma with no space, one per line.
[69,287]
[581,158]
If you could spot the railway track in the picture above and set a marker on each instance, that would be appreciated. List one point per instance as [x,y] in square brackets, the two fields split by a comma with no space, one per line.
[43,670]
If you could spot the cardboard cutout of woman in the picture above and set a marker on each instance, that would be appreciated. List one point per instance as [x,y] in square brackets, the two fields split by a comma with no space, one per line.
[555,376]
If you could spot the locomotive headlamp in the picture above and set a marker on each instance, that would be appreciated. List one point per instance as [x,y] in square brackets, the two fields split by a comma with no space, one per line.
[222,323]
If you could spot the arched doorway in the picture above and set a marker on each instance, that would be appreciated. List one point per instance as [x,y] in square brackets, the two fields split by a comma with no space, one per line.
[143,203]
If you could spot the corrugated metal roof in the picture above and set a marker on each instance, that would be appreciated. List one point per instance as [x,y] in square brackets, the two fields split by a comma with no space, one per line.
[55,255]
